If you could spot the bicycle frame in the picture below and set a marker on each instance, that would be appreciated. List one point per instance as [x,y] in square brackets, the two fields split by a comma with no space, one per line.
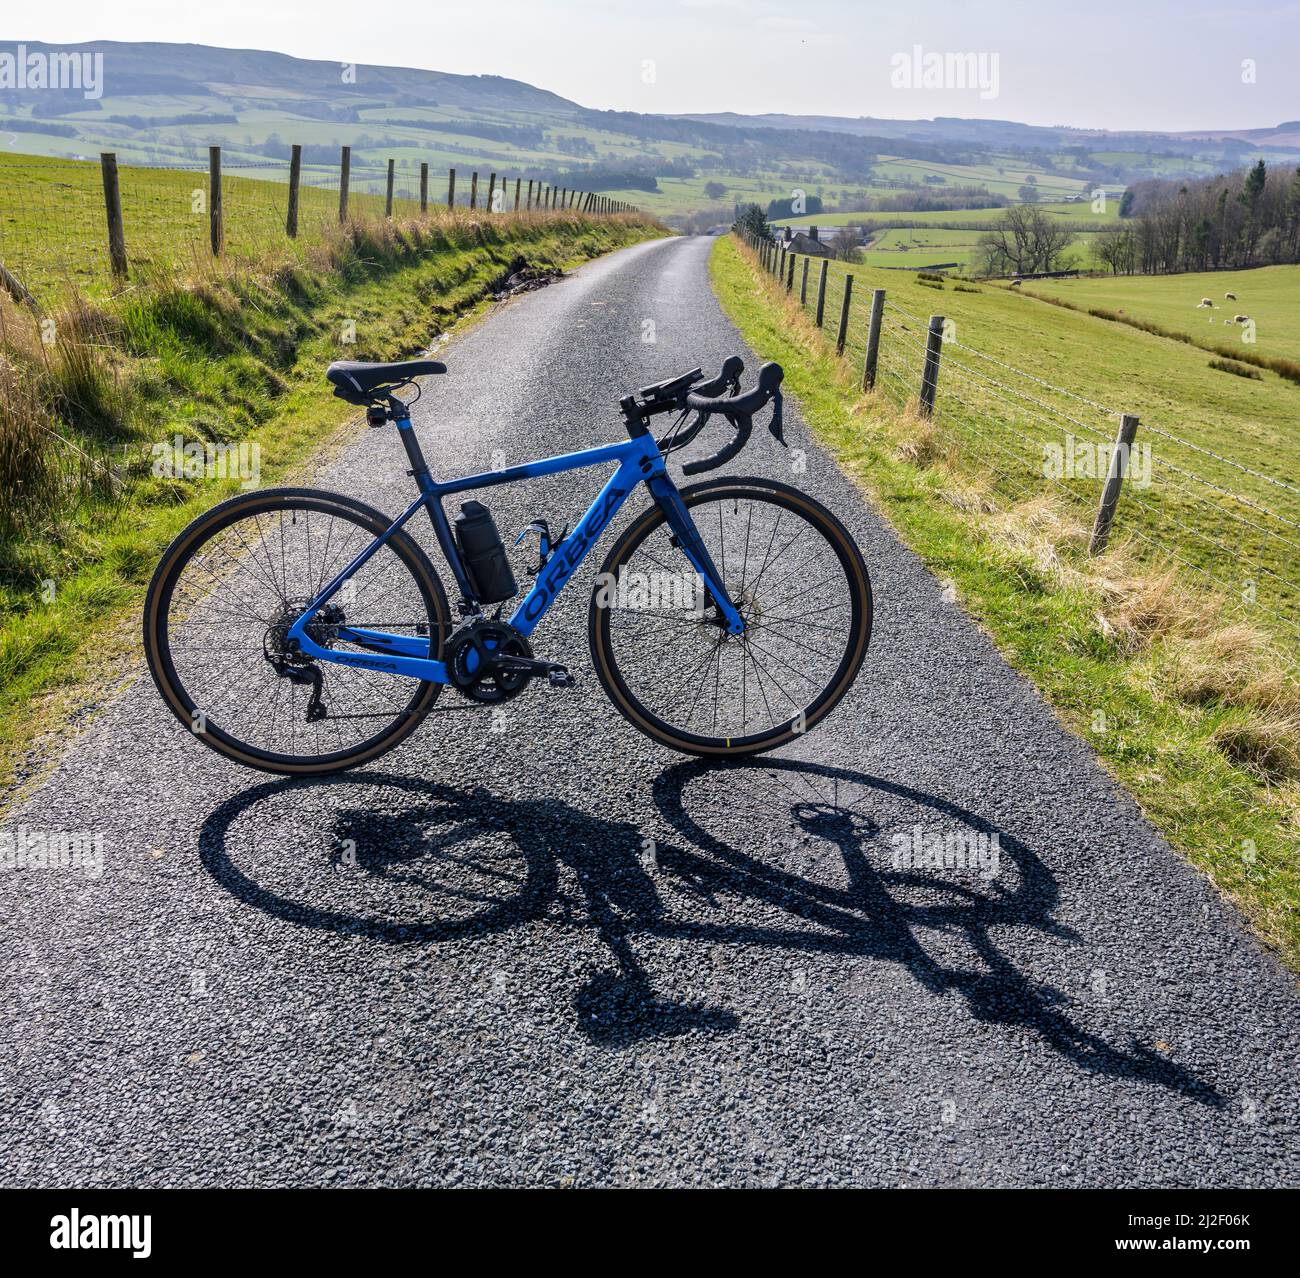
[639,461]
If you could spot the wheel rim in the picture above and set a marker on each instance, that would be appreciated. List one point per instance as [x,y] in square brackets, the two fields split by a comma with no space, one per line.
[222,619]
[669,658]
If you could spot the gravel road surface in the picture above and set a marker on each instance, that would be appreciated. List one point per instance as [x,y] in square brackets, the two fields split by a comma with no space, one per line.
[557,953]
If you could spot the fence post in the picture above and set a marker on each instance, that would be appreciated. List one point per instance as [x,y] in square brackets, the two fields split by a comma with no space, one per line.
[844,315]
[873,339]
[295,178]
[345,169]
[529,202]
[492,190]
[789,279]
[473,189]
[388,193]
[930,374]
[16,288]
[424,188]
[803,283]
[216,231]
[1128,425]
[821,292]
[451,188]
[518,183]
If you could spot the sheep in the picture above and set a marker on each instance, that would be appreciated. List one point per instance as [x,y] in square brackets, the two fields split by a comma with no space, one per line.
[1015,283]
[1230,297]
[1205,301]
[1241,319]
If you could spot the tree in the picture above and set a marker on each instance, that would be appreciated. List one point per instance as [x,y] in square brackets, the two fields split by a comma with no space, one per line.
[844,245]
[1026,240]
[753,221]
[1114,248]
[1028,194]
[714,190]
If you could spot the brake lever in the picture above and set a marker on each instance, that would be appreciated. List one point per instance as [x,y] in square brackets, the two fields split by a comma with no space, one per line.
[777,425]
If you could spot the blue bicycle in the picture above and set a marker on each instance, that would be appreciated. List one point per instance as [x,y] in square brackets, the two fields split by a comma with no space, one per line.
[303,632]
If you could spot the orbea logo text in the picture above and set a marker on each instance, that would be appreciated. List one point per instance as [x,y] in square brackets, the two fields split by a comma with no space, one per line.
[67,70]
[75,1232]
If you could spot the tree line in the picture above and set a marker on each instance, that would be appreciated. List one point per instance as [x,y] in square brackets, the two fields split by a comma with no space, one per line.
[1247,218]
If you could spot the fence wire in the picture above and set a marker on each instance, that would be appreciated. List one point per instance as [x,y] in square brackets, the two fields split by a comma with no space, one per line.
[1184,502]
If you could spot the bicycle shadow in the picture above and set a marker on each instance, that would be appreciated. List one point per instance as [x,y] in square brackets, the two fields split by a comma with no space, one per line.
[489,863]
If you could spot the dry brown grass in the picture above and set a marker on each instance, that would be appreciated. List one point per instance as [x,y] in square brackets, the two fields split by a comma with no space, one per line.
[1235,664]
[1266,742]
[971,494]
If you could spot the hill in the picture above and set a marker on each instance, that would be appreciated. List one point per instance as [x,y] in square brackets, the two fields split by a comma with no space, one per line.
[255,103]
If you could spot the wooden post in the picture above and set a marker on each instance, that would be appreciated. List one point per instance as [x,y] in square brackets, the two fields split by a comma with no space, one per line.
[345,170]
[789,275]
[529,205]
[873,339]
[930,374]
[424,188]
[844,315]
[113,207]
[518,183]
[821,293]
[215,228]
[492,190]
[16,288]
[473,189]
[803,283]
[295,179]
[388,194]
[451,188]
[1119,460]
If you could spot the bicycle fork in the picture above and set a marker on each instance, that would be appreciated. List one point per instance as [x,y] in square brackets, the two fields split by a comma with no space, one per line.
[686,537]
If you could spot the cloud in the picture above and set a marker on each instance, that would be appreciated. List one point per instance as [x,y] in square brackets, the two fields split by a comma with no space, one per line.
[775,23]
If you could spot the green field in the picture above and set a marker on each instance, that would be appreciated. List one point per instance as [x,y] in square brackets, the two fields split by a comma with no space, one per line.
[1270,295]
[1007,407]
[915,247]
[53,229]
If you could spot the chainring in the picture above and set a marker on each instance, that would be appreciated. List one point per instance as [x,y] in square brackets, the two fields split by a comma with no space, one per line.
[470,666]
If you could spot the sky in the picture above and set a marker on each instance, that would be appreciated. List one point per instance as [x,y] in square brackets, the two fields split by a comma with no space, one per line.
[1118,64]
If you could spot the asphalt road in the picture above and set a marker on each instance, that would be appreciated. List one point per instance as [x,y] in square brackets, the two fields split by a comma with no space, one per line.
[557,953]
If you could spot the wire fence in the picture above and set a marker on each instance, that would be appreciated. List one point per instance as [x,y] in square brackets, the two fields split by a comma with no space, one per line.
[1225,520]
[58,218]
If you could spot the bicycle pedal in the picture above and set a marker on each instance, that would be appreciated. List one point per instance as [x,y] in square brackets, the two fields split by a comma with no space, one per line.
[560,678]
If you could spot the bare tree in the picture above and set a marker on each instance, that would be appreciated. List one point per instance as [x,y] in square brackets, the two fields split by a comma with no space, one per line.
[1024,241]
[844,245]
[1115,248]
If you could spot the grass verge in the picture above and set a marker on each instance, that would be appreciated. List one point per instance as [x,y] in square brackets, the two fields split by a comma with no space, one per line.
[1185,709]
[88,393]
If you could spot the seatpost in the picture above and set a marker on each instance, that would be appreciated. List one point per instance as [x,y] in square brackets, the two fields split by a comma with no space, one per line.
[401,414]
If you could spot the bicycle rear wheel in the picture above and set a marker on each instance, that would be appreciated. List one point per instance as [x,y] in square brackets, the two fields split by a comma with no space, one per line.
[800,584]
[216,620]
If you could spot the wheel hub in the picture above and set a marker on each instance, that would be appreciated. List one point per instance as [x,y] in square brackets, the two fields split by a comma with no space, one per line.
[322,629]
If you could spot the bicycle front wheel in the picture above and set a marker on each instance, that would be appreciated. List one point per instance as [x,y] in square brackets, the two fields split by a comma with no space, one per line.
[663,654]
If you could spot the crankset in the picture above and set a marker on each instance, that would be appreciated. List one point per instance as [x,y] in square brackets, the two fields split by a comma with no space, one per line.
[490,661]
